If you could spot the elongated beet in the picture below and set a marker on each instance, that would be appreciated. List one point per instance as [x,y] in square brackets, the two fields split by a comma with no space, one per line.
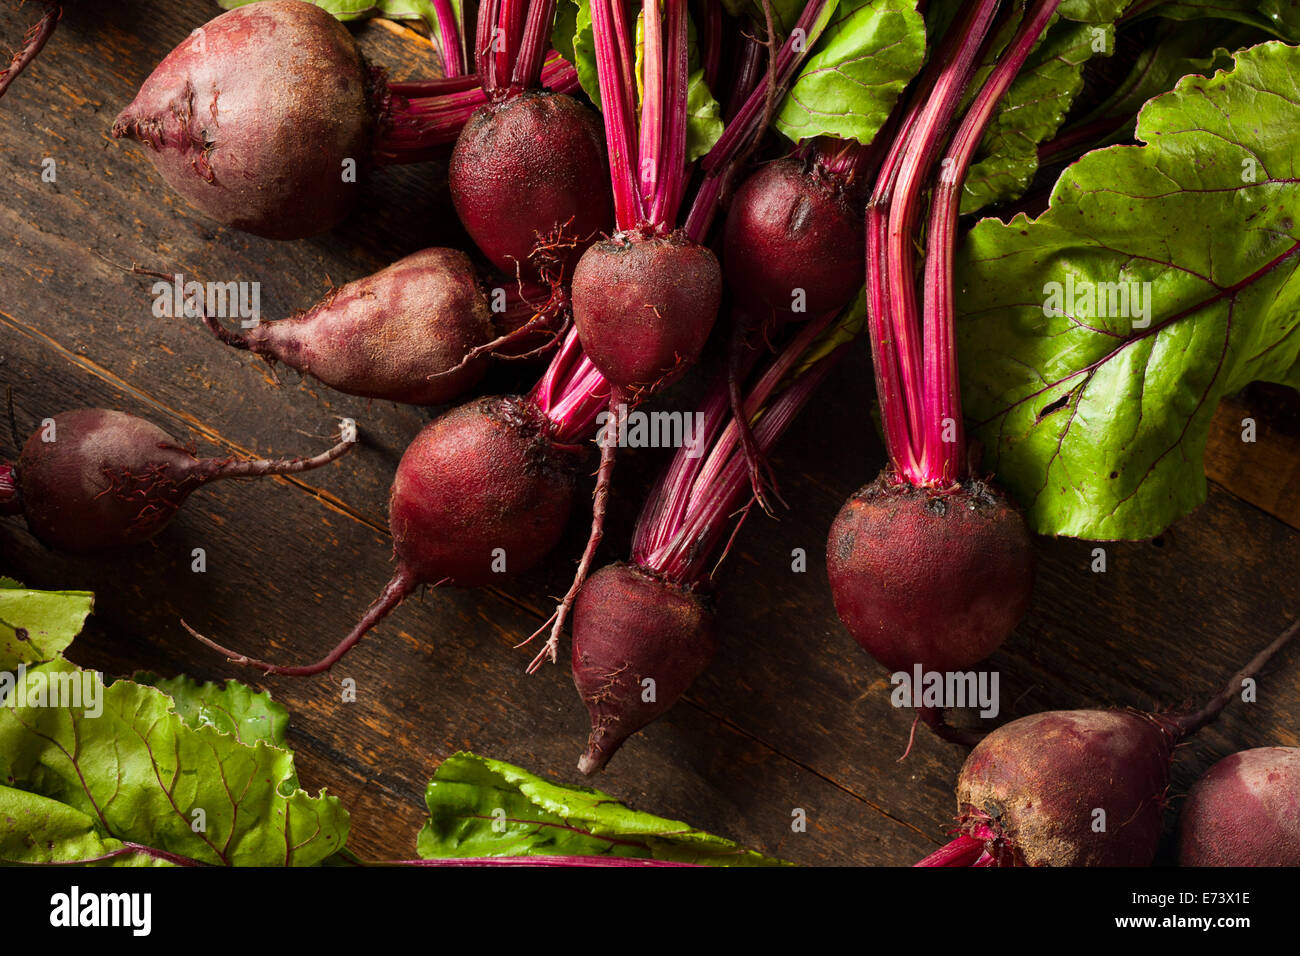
[644,631]
[255,117]
[929,577]
[483,492]
[793,237]
[399,335]
[1076,787]
[638,642]
[529,174]
[1245,811]
[644,306]
[93,479]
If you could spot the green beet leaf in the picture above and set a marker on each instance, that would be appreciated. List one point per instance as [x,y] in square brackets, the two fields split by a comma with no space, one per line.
[37,626]
[35,830]
[1097,340]
[480,807]
[865,56]
[1281,18]
[233,708]
[147,776]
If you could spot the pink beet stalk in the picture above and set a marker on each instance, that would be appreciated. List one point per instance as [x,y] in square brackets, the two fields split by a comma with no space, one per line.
[943,458]
[649,620]
[426,116]
[930,566]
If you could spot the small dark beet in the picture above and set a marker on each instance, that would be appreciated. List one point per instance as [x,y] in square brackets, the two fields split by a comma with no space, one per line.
[638,643]
[644,307]
[94,479]
[939,579]
[791,229]
[481,493]
[527,167]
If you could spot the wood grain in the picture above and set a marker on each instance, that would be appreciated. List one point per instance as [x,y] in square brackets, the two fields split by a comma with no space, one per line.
[792,716]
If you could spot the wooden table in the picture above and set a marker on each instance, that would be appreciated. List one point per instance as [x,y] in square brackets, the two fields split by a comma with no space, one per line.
[792,714]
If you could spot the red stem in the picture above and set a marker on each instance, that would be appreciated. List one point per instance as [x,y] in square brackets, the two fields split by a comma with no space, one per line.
[10,501]
[394,593]
[614,60]
[744,129]
[891,219]
[451,45]
[536,38]
[963,851]
[685,519]
[943,461]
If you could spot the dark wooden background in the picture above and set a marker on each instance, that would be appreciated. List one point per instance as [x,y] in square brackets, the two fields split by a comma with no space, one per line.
[792,714]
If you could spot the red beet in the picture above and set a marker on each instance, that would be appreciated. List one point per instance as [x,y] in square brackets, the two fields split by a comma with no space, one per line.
[484,477]
[644,305]
[530,171]
[792,227]
[933,578]
[253,117]
[638,643]
[482,493]
[108,480]
[399,335]
[1245,811]
[1077,787]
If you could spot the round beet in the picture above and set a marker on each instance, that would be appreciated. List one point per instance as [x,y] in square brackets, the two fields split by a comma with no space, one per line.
[792,229]
[482,492]
[644,306]
[531,168]
[253,117]
[1032,789]
[638,643]
[1245,811]
[93,479]
[398,335]
[938,579]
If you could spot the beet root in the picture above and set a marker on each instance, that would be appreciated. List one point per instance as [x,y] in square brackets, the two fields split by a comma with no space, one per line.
[92,479]
[481,493]
[1078,787]
[644,307]
[790,230]
[638,643]
[1245,811]
[1031,790]
[938,579]
[527,170]
[254,117]
[398,335]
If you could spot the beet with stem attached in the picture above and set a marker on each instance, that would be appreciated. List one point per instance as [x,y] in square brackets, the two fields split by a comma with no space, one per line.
[638,642]
[1076,787]
[401,334]
[93,479]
